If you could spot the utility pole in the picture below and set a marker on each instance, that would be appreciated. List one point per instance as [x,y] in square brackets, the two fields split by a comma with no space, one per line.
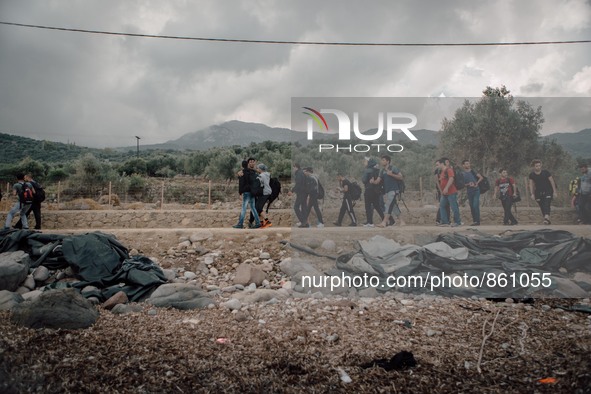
[138,146]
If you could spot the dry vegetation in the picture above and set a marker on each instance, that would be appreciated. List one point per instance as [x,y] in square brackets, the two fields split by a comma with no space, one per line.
[292,347]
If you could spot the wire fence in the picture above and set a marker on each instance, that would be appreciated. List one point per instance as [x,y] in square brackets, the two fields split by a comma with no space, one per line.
[161,193]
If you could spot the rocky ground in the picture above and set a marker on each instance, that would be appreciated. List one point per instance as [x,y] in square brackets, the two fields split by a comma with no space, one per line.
[294,342]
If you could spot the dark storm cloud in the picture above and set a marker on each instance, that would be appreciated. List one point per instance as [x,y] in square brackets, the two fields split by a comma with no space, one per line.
[102,90]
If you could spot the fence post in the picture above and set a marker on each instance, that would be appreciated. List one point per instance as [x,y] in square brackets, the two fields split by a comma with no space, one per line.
[209,196]
[421,190]
[110,185]
[527,192]
[162,197]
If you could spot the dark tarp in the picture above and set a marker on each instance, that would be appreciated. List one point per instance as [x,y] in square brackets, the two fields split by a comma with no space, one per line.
[558,253]
[97,259]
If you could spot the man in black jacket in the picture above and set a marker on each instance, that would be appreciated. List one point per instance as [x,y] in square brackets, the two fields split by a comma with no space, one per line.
[246,179]
[373,191]
[301,192]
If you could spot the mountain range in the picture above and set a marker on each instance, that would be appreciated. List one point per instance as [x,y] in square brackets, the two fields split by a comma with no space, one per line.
[14,148]
[242,133]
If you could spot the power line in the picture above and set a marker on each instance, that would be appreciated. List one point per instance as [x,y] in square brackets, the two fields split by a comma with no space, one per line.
[324,43]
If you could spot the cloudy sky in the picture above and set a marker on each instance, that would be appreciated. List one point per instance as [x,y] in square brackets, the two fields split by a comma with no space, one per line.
[102,90]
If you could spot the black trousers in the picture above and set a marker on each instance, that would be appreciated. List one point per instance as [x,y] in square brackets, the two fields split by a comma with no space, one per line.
[438,218]
[300,207]
[373,201]
[585,208]
[36,208]
[312,203]
[347,207]
[259,204]
[545,202]
[508,218]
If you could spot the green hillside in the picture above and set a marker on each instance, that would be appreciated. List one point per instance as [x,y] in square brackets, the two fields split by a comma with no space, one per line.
[14,148]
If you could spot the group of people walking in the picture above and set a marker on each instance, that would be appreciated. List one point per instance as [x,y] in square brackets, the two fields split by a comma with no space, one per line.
[383,184]
[254,185]
[29,196]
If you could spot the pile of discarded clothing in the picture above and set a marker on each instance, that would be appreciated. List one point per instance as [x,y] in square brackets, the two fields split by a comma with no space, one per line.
[543,263]
[95,259]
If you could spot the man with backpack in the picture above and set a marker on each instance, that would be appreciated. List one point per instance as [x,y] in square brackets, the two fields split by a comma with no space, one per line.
[506,190]
[373,191]
[38,198]
[585,194]
[472,180]
[350,193]
[264,178]
[390,178]
[247,187]
[300,190]
[314,193]
[449,194]
[24,192]
[543,188]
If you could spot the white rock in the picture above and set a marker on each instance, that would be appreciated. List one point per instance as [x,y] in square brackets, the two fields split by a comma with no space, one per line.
[189,275]
[232,304]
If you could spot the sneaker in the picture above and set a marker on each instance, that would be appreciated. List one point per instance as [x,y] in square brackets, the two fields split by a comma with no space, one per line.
[547,221]
[514,224]
[443,225]
[353,225]
[368,225]
[337,224]
[304,226]
[456,224]
[256,226]
[475,224]
[298,224]
[320,225]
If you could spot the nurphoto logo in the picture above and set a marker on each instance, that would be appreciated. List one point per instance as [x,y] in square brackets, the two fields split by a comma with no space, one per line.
[392,121]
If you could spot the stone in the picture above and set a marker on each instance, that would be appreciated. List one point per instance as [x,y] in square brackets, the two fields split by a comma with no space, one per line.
[184,245]
[14,268]
[188,275]
[29,283]
[9,299]
[116,299]
[32,295]
[247,273]
[63,308]
[329,245]
[41,274]
[169,274]
[213,271]
[180,296]
[232,304]
[292,267]
[264,255]
[200,236]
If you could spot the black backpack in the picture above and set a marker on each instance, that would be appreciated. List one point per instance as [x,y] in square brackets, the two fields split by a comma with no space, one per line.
[25,195]
[354,191]
[256,188]
[320,190]
[484,184]
[39,192]
[459,181]
[275,187]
